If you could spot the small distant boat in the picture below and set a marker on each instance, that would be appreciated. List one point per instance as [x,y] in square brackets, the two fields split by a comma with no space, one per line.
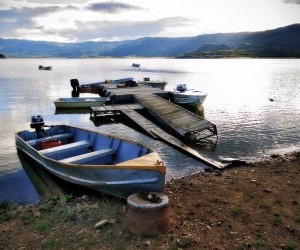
[80,102]
[45,68]
[102,162]
[187,97]
[136,65]
[153,83]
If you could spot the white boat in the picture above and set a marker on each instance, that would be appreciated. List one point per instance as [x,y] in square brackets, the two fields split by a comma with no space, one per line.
[80,102]
[153,83]
[187,97]
[102,162]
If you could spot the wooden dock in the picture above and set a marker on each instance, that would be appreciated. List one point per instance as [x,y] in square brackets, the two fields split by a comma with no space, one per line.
[181,122]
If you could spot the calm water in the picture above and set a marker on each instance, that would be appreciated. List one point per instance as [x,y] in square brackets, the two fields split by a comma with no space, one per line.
[238,102]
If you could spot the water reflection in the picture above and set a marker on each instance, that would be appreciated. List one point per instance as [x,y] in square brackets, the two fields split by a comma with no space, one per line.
[72,111]
[46,184]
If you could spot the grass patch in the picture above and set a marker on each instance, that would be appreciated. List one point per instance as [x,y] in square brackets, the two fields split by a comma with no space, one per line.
[4,216]
[291,245]
[49,243]
[47,207]
[65,198]
[26,217]
[68,215]
[234,211]
[297,219]
[259,244]
[43,225]
[4,212]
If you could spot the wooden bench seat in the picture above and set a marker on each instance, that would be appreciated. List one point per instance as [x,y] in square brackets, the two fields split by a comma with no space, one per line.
[54,137]
[80,159]
[65,149]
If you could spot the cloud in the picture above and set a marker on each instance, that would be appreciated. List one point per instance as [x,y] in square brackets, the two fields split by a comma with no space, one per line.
[121,30]
[14,19]
[291,1]
[111,7]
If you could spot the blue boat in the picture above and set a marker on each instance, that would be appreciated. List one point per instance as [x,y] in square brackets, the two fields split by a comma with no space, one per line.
[102,162]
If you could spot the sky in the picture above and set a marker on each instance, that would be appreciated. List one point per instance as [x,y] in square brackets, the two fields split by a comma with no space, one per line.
[104,20]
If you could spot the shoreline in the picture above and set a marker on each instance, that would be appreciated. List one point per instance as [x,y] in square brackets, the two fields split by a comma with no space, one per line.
[251,206]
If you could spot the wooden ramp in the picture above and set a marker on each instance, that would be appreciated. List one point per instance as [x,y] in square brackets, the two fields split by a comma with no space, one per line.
[180,121]
[157,133]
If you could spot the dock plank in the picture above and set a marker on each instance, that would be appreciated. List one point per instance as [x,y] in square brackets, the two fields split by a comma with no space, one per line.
[177,118]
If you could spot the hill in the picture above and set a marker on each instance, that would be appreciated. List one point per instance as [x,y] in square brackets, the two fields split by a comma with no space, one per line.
[281,42]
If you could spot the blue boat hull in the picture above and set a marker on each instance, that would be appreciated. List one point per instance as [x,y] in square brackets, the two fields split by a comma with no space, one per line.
[108,164]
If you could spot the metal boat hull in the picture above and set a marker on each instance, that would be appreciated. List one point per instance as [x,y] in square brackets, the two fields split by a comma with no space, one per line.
[134,167]
[188,98]
[80,102]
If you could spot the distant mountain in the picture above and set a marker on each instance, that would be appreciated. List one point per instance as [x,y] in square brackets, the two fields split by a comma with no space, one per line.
[2,56]
[281,42]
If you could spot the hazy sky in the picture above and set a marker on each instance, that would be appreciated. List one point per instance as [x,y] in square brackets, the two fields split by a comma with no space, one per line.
[97,20]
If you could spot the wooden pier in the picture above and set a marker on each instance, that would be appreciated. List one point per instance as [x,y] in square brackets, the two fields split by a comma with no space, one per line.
[180,123]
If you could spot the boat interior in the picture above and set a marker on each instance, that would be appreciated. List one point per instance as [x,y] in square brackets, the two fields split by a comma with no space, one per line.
[78,146]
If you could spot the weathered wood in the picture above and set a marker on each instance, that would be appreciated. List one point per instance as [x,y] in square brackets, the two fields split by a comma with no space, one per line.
[173,141]
[180,120]
[98,111]
[157,133]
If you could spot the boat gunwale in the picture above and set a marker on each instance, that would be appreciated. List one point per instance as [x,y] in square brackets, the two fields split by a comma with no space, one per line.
[80,99]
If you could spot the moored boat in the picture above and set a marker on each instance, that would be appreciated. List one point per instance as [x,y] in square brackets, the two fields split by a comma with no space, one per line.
[187,97]
[45,67]
[102,162]
[153,83]
[95,88]
[136,65]
[80,102]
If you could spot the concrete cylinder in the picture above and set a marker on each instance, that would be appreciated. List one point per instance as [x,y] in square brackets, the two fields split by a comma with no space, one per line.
[146,217]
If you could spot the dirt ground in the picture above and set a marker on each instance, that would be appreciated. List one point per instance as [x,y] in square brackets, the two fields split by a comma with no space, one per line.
[254,206]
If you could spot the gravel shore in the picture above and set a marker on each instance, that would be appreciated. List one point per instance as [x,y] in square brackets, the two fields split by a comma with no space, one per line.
[252,206]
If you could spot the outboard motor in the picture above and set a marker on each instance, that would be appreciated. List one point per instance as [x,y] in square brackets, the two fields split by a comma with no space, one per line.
[181,87]
[75,86]
[37,122]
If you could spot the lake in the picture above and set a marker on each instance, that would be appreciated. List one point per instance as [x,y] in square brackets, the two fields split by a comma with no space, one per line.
[255,104]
